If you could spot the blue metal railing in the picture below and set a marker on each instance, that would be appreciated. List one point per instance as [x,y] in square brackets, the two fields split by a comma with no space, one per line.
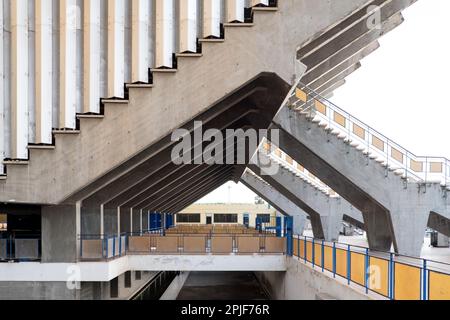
[365,269]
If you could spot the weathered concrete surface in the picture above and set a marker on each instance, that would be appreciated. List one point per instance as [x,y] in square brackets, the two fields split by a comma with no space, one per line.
[383,199]
[60,230]
[301,282]
[323,209]
[222,286]
[276,199]
[151,114]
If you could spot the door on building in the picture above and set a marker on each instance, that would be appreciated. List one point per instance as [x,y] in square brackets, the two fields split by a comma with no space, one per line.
[208,220]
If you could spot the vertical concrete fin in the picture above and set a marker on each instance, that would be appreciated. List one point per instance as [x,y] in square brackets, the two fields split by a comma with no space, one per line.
[188,26]
[68,63]
[235,10]
[211,18]
[91,53]
[140,41]
[44,71]
[164,33]
[19,79]
[116,48]
[2,89]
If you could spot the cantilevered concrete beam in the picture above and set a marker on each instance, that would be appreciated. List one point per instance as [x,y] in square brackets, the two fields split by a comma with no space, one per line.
[277,200]
[322,208]
[352,48]
[393,210]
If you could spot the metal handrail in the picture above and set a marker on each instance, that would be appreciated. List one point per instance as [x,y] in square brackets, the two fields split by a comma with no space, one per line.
[391,154]
[425,266]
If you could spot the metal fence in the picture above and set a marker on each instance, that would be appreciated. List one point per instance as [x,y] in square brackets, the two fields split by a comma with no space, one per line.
[393,276]
[20,249]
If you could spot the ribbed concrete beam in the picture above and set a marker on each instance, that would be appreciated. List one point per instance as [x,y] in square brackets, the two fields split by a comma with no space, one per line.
[339,77]
[186,202]
[190,198]
[384,12]
[186,189]
[319,42]
[144,171]
[336,57]
[154,197]
[341,64]
[276,199]
[338,72]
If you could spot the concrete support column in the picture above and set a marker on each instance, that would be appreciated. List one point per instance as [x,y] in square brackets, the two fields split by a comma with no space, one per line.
[409,224]
[91,220]
[110,221]
[125,220]
[60,230]
[136,214]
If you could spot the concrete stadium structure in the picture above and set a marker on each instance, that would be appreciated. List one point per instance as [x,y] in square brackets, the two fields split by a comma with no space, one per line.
[91,92]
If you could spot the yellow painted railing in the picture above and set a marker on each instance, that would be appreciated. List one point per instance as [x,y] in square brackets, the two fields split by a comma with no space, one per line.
[392,276]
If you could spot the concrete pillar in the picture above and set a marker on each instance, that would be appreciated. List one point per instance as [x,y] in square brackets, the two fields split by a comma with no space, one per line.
[60,230]
[125,221]
[91,220]
[110,221]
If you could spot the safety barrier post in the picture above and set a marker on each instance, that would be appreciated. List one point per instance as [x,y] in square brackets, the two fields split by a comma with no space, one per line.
[334,259]
[114,246]
[81,247]
[305,248]
[349,265]
[313,253]
[391,277]
[366,271]
[323,256]
[424,294]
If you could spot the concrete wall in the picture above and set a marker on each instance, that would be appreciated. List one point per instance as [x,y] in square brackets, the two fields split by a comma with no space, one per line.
[302,282]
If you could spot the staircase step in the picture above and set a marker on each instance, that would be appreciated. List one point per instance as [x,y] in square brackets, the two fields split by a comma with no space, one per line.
[90,116]
[266,9]
[213,40]
[16,162]
[163,70]
[66,131]
[115,101]
[189,55]
[238,24]
[139,85]
[41,147]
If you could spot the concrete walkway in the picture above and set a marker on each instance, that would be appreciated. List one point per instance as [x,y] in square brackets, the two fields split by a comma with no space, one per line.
[222,286]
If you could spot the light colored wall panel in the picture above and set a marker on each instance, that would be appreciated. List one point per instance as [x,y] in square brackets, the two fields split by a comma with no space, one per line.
[31,71]
[140,46]
[68,11]
[92,43]
[116,48]
[2,90]
[19,79]
[164,33]
[44,71]
[235,10]
[211,18]
[188,26]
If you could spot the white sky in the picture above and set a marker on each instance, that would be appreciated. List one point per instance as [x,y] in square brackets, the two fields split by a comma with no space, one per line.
[401,89]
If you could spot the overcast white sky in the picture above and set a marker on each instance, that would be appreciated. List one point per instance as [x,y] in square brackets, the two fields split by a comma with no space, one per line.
[401,90]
